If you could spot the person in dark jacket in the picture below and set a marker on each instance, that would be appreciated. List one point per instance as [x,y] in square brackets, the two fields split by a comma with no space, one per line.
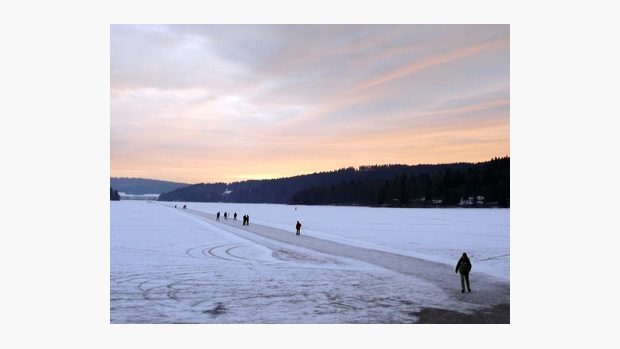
[226,215]
[235,216]
[463,267]
[298,227]
[217,216]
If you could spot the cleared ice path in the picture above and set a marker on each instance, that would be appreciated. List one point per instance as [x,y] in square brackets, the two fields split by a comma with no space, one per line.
[486,290]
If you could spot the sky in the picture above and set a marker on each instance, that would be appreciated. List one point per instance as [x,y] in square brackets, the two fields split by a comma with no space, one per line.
[207,103]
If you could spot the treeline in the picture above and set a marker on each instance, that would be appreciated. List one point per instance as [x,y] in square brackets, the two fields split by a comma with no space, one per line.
[282,190]
[484,184]
[114,195]
[212,192]
[377,185]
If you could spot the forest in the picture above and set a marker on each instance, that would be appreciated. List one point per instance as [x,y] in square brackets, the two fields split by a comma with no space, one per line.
[483,184]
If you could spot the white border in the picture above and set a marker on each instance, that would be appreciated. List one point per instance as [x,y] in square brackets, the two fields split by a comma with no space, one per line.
[55,109]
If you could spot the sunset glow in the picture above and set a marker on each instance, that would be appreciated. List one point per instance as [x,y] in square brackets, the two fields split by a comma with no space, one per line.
[207,103]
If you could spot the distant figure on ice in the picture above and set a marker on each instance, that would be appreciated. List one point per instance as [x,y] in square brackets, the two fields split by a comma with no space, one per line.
[226,215]
[184,206]
[235,216]
[298,227]
[463,267]
[217,216]
[246,219]
[175,206]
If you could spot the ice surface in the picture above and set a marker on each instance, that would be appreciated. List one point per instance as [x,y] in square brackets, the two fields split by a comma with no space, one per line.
[441,234]
[168,266]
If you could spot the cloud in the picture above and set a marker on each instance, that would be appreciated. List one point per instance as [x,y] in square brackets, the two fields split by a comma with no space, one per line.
[219,102]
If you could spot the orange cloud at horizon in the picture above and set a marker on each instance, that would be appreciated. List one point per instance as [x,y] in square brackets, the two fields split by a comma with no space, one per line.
[450,143]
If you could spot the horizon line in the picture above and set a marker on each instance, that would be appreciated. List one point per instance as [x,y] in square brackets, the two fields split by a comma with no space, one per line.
[305,174]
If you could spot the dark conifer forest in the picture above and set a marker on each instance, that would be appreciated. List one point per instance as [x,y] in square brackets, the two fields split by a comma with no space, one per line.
[484,184]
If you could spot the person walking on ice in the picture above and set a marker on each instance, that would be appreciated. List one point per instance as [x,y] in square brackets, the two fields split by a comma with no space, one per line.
[463,267]
[235,216]
[217,216]
[298,227]
[226,215]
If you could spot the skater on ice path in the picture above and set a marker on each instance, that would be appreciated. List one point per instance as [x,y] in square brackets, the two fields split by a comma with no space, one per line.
[298,227]
[463,267]
[217,216]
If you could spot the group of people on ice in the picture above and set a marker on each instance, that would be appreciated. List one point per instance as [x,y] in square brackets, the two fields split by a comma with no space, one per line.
[246,217]
[246,220]
[217,216]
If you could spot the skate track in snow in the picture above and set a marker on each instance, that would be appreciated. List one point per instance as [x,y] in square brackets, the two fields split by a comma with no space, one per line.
[486,290]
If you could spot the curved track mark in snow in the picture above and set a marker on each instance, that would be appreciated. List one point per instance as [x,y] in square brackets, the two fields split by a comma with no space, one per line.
[191,249]
[235,256]
[214,251]
[210,251]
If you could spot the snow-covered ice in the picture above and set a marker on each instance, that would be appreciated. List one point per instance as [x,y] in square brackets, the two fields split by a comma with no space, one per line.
[441,234]
[171,266]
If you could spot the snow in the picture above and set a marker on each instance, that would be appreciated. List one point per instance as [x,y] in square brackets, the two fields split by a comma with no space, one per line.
[172,266]
[441,234]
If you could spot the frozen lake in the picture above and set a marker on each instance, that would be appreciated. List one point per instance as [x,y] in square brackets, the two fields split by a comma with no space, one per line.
[175,266]
[440,234]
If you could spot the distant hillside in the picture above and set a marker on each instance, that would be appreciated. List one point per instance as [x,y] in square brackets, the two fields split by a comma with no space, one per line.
[139,186]
[456,184]
[485,184]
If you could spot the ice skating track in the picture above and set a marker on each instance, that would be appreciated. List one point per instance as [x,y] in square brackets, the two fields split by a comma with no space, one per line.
[486,290]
